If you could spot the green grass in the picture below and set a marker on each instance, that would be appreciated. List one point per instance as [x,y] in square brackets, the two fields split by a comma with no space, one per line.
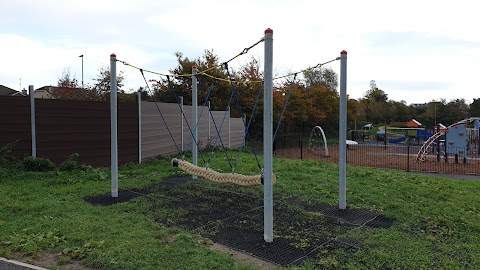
[437,220]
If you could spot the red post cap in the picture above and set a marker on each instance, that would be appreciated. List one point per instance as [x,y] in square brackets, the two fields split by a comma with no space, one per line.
[268,31]
[343,52]
[194,66]
[113,55]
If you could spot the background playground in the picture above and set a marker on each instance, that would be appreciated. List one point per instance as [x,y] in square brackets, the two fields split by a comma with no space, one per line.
[456,140]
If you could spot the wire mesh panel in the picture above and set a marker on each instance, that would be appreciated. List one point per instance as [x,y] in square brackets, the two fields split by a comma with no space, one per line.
[390,156]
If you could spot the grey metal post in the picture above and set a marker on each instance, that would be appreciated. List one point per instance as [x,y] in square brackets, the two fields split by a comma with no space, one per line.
[113,124]
[343,132]
[194,118]
[181,120]
[268,138]
[31,93]
[139,99]
[82,69]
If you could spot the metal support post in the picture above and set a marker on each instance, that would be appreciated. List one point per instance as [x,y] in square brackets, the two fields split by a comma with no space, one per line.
[268,138]
[113,124]
[194,118]
[343,132]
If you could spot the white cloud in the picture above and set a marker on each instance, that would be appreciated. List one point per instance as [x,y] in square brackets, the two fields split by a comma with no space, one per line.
[404,46]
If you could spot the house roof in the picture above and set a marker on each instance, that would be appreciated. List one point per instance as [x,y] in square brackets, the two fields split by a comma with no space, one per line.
[367,126]
[413,123]
[6,91]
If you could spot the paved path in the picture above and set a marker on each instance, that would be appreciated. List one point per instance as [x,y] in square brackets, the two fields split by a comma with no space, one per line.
[14,265]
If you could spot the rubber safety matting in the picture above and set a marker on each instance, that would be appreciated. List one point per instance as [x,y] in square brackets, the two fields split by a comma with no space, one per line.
[233,216]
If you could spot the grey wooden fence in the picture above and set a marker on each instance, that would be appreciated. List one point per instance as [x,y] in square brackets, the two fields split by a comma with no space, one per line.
[164,136]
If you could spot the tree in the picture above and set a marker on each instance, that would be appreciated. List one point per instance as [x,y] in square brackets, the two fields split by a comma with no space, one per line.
[375,106]
[67,80]
[454,111]
[475,108]
[321,77]
[69,89]
[102,81]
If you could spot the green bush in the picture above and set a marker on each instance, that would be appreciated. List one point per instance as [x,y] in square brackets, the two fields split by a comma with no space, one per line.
[35,164]
[6,157]
[71,163]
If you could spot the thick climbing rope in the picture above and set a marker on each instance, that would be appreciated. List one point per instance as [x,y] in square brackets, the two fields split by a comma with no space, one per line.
[212,175]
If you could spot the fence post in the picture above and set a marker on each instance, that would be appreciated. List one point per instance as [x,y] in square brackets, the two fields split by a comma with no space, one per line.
[408,158]
[267,138]
[139,100]
[31,93]
[301,148]
[113,125]
[343,129]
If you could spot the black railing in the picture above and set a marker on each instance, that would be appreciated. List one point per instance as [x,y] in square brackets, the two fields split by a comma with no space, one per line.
[404,157]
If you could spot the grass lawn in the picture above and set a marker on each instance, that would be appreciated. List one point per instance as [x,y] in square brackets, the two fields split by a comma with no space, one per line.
[437,221]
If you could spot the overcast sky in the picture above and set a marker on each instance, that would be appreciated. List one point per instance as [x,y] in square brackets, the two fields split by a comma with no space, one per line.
[416,51]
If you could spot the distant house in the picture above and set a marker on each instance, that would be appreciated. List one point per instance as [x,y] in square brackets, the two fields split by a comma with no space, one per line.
[410,124]
[45,92]
[367,127]
[419,105]
[56,92]
[6,91]
[413,124]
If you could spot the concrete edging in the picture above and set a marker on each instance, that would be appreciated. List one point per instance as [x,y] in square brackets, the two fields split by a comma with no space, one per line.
[6,264]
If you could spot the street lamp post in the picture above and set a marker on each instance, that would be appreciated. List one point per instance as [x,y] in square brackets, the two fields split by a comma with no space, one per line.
[82,68]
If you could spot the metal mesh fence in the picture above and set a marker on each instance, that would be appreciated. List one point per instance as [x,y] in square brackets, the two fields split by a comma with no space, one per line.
[390,156]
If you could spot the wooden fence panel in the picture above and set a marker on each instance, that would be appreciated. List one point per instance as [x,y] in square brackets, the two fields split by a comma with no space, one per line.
[156,137]
[157,141]
[15,124]
[237,132]
[65,127]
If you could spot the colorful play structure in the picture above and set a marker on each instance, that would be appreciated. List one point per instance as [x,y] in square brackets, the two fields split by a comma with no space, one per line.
[459,138]
[413,130]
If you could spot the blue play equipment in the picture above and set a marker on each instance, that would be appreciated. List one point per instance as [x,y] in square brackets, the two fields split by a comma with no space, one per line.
[399,140]
[423,134]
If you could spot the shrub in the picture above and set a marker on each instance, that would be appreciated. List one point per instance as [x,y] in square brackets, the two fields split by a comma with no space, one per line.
[6,157]
[71,164]
[35,164]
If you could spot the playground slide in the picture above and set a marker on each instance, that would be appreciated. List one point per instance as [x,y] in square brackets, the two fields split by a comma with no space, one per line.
[399,140]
